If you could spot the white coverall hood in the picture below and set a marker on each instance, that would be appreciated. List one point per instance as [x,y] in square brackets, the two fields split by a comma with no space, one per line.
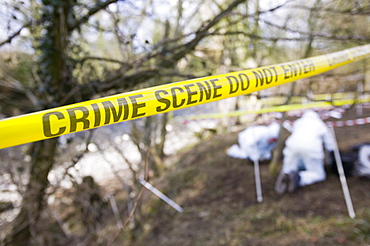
[310,114]
[310,133]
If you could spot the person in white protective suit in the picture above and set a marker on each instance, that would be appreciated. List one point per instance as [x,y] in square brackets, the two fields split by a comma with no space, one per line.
[255,142]
[303,162]
[363,164]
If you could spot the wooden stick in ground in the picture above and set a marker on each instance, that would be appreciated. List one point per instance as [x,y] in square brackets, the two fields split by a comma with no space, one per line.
[161,195]
[342,177]
[258,181]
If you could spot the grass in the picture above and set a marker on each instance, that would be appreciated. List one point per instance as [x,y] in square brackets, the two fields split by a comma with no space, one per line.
[218,196]
[220,208]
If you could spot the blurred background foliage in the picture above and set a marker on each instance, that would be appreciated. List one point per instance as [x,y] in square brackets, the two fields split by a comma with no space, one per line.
[58,52]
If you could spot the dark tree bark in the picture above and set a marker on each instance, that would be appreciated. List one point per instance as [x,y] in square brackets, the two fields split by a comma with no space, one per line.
[27,222]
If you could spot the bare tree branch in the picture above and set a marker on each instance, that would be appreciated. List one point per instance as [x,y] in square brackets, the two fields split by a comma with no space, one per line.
[285,28]
[83,60]
[17,33]
[317,34]
[350,11]
[99,6]
[202,32]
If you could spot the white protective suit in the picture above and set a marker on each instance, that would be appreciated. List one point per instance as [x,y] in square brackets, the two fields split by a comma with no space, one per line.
[304,148]
[255,142]
[363,167]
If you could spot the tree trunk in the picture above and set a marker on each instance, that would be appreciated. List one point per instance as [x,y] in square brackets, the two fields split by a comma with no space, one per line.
[27,224]
[158,149]
[277,154]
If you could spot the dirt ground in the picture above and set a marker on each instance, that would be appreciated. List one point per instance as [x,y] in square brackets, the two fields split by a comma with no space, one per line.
[220,207]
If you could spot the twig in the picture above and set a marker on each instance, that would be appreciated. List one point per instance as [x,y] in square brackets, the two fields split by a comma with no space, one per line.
[60,222]
[113,204]
[129,217]
[127,221]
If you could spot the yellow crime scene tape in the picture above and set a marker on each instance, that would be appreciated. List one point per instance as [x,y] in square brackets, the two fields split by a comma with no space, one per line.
[275,100]
[281,108]
[91,114]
